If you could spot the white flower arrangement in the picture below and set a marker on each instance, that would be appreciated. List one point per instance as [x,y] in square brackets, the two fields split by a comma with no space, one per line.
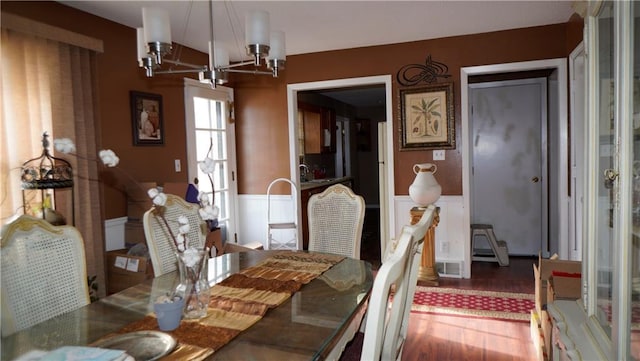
[207,211]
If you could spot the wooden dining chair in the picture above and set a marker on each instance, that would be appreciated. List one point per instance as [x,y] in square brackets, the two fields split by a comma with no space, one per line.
[335,221]
[162,250]
[387,322]
[44,272]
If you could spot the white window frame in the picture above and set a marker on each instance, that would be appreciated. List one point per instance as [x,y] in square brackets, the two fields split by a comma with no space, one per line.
[193,88]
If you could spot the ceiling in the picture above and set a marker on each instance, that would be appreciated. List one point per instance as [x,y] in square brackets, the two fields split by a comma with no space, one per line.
[316,25]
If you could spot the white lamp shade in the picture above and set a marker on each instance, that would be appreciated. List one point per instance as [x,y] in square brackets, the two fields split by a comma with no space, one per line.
[142,45]
[156,25]
[277,49]
[257,29]
[220,54]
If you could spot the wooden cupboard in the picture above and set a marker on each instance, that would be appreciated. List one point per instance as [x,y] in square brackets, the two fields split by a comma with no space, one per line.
[319,128]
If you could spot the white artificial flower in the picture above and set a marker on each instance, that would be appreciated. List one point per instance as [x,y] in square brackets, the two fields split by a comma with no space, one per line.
[181,242]
[153,192]
[209,212]
[160,199]
[64,145]
[191,256]
[109,157]
[203,198]
[184,225]
[208,165]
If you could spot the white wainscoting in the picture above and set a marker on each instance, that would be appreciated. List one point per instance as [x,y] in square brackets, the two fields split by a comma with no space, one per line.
[252,211]
[114,233]
[450,239]
[252,225]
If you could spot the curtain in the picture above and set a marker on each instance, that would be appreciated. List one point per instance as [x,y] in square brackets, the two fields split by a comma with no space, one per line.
[48,85]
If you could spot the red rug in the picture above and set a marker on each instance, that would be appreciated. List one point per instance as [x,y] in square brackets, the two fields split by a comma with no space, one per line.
[500,305]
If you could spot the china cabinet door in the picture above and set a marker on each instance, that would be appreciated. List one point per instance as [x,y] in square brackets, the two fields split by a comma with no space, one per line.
[612,275]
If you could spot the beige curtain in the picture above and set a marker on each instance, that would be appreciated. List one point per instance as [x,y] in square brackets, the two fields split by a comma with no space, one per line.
[48,85]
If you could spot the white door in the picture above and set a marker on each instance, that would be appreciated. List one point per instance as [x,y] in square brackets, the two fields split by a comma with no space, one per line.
[508,180]
[211,133]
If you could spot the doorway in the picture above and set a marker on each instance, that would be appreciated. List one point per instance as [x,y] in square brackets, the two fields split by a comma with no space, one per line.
[386,214]
[508,182]
[558,233]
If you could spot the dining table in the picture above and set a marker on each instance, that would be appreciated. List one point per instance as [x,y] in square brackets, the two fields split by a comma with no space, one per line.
[314,323]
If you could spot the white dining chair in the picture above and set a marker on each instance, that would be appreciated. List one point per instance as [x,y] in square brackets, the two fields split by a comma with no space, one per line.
[386,324]
[44,272]
[161,247]
[335,219]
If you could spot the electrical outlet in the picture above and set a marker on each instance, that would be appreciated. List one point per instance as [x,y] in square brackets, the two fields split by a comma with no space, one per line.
[438,154]
[178,166]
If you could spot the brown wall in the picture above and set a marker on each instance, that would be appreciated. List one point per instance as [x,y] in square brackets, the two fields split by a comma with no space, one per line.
[261,102]
[118,74]
[261,109]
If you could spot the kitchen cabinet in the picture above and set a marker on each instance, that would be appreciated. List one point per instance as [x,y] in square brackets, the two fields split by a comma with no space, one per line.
[307,189]
[319,128]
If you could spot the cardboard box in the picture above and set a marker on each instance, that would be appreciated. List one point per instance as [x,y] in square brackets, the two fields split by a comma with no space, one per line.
[124,271]
[543,271]
[564,286]
[134,233]
[545,326]
[537,336]
[177,188]
[138,201]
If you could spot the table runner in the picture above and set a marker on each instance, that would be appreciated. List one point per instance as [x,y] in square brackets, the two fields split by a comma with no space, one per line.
[241,300]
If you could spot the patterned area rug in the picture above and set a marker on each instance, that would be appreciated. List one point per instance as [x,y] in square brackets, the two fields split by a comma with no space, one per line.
[500,305]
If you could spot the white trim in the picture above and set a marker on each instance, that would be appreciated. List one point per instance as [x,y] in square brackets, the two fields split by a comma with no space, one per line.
[292,106]
[560,65]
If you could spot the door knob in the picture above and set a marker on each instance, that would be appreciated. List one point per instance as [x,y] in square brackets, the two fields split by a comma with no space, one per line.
[610,175]
[535,180]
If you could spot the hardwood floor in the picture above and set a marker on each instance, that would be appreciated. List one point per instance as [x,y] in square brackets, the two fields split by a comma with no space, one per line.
[440,337]
[453,338]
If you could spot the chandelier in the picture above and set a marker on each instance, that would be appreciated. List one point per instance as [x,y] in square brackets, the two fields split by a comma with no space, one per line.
[263,45]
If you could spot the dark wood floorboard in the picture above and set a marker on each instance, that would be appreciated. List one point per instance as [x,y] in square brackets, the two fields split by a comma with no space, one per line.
[453,338]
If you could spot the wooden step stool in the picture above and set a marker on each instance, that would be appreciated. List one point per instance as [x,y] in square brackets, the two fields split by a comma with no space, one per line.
[497,252]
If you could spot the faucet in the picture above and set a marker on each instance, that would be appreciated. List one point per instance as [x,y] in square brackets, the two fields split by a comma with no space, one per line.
[304,170]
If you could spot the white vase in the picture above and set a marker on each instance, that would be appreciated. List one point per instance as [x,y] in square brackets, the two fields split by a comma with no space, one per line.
[425,189]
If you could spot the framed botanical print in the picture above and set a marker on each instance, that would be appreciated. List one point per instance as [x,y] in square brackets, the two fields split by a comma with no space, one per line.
[427,117]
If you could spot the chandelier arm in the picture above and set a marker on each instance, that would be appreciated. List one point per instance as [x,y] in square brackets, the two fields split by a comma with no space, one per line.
[187,65]
[178,71]
[256,72]
[248,62]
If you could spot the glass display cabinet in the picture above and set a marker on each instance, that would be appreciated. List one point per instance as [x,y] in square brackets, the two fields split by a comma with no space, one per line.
[605,323]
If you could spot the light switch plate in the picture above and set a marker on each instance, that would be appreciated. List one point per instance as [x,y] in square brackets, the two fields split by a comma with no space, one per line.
[438,154]
[178,165]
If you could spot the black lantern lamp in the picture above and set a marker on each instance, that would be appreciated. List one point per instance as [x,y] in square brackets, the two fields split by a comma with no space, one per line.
[51,179]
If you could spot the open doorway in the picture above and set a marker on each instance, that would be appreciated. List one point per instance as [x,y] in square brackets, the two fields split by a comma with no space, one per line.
[362,165]
[556,144]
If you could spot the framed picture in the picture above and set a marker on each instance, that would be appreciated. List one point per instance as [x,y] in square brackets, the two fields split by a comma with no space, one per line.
[146,118]
[427,118]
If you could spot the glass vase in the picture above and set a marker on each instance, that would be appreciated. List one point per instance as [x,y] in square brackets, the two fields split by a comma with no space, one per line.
[194,285]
